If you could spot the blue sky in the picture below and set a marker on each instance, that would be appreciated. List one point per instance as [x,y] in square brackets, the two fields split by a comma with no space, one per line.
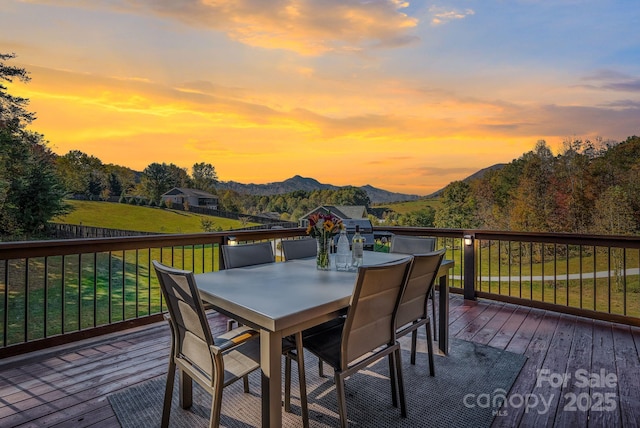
[403,95]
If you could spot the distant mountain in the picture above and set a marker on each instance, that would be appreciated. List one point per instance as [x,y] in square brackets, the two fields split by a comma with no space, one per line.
[474,176]
[309,184]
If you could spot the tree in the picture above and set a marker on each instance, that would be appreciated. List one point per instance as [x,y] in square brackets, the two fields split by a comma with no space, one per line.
[120,179]
[30,191]
[613,213]
[421,218]
[204,176]
[82,174]
[614,216]
[157,179]
[458,208]
[533,200]
[13,113]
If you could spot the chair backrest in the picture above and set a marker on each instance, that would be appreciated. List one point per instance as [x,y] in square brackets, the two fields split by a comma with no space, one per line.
[235,256]
[299,248]
[422,276]
[189,324]
[412,244]
[370,320]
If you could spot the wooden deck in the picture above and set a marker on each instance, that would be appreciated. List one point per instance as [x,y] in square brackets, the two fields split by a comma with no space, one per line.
[68,386]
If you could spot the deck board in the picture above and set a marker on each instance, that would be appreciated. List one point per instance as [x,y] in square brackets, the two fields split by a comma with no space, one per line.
[68,386]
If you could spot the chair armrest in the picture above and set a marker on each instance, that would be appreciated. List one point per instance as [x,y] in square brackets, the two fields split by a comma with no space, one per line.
[234,338]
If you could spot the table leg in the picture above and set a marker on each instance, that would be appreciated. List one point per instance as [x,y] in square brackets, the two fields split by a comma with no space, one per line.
[443,320]
[271,365]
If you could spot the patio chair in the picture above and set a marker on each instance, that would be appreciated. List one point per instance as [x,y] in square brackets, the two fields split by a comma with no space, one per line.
[368,333]
[212,362]
[236,256]
[298,248]
[412,312]
[404,244]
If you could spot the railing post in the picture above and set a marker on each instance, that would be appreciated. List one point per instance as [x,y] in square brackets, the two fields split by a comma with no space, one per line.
[469,264]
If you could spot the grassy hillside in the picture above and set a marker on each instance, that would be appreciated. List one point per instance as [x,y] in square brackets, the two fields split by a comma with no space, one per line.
[143,219]
[410,206]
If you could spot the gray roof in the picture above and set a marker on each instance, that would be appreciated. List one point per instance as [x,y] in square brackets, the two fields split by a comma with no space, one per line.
[189,192]
[343,212]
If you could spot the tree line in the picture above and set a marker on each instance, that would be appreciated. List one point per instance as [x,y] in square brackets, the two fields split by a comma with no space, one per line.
[590,187]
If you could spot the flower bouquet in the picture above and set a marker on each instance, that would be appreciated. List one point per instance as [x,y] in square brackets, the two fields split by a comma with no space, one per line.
[323,227]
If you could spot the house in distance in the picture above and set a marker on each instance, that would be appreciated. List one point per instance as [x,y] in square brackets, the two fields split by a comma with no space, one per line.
[351,215]
[194,197]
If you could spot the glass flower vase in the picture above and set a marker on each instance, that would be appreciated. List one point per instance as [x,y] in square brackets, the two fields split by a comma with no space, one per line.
[322,256]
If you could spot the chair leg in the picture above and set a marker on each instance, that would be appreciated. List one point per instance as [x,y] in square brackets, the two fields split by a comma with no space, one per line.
[398,365]
[320,368]
[342,402]
[414,345]
[216,405]
[186,390]
[245,383]
[302,380]
[168,393]
[430,350]
[433,314]
[287,384]
[393,381]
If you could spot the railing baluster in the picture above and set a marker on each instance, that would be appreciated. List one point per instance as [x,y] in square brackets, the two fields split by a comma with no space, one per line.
[544,251]
[26,300]
[45,293]
[137,284]
[95,289]
[63,294]
[531,270]
[79,299]
[149,273]
[555,274]
[490,264]
[124,278]
[499,267]
[624,281]
[580,264]
[520,267]
[595,278]
[609,279]
[109,293]
[5,327]
[567,290]
[509,267]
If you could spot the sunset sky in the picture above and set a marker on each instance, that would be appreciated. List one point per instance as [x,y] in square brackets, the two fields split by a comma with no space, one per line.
[403,95]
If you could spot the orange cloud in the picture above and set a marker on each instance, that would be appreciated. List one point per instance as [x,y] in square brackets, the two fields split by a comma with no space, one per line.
[307,27]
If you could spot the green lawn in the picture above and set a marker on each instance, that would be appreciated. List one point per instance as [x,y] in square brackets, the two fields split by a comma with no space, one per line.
[144,219]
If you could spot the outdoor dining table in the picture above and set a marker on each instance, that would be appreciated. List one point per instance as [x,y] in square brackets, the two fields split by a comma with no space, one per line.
[280,299]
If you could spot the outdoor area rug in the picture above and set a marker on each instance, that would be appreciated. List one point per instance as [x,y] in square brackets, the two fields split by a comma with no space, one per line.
[456,397]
